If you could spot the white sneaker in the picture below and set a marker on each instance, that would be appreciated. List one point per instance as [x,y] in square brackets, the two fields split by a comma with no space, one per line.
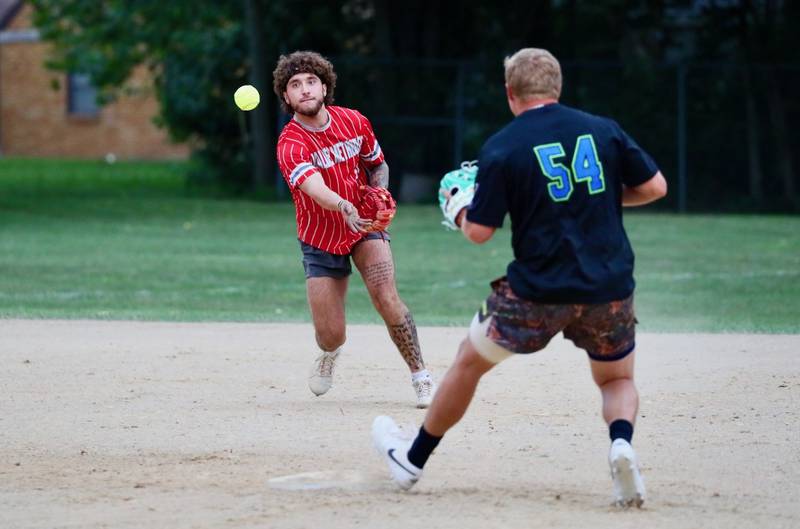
[424,388]
[321,378]
[628,484]
[393,447]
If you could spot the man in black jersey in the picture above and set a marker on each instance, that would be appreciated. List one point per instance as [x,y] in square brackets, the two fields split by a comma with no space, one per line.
[562,176]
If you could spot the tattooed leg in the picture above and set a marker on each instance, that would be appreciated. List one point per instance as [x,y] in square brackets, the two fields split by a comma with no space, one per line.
[373,258]
[378,277]
[404,336]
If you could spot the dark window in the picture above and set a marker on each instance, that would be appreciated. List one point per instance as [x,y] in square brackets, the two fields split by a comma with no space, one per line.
[82,98]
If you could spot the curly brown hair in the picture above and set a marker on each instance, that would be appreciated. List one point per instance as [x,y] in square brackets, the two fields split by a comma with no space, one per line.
[303,62]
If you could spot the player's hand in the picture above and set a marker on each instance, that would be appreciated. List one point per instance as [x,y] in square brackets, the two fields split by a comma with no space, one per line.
[350,214]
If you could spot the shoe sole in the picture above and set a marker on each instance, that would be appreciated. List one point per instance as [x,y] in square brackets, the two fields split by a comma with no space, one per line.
[625,476]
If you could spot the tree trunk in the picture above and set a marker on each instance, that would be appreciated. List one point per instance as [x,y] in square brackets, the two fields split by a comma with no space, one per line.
[783,156]
[262,135]
[756,176]
[385,50]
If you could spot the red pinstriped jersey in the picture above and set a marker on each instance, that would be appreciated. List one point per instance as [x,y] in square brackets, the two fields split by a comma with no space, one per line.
[340,151]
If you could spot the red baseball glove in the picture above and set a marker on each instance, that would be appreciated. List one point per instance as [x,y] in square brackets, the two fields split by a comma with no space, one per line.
[376,205]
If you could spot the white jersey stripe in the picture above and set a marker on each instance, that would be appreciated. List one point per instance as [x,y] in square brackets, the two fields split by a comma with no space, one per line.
[375,154]
[300,169]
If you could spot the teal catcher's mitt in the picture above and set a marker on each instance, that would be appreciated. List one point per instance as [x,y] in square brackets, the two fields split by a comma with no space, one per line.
[456,191]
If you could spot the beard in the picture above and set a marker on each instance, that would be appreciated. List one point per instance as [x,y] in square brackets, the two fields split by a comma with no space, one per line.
[306,110]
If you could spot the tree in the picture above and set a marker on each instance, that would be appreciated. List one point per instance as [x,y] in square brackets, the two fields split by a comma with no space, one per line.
[407,64]
[760,38]
[197,54]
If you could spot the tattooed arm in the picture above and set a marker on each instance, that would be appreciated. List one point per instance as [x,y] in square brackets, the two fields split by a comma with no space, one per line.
[378,176]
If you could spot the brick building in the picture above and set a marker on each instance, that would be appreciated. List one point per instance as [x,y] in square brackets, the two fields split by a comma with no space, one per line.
[44,113]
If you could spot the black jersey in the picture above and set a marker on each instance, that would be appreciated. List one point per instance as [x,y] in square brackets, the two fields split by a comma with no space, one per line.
[558,172]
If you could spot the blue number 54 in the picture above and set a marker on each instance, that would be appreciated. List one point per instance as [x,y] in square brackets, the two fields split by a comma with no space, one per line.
[586,167]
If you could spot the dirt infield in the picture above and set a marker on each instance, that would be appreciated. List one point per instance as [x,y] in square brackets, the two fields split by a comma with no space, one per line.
[162,425]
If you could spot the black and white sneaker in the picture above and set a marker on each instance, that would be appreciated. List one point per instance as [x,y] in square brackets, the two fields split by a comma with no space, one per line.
[393,447]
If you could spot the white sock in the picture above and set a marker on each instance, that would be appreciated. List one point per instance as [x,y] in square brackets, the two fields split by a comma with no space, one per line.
[419,375]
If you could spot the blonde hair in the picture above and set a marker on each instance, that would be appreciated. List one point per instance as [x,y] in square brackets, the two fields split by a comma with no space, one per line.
[533,73]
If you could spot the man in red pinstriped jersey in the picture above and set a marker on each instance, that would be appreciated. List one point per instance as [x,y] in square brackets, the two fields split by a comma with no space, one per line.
[325,154]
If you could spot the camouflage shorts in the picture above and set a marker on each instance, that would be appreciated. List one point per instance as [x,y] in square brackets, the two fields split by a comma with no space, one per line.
[606,331]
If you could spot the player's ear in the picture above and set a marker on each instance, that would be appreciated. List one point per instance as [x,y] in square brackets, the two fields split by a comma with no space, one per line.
[512,100]
[285,98]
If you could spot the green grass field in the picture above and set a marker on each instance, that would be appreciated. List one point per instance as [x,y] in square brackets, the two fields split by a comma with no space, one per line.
[130,241]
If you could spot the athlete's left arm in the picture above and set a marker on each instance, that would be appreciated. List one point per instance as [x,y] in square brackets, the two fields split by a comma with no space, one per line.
[646,192]
[378,176]
[474,232]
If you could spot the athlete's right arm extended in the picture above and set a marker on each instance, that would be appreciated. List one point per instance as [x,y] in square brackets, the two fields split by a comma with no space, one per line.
[645,193]
[314,186]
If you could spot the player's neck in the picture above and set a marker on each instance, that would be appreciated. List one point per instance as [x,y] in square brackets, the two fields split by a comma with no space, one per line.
[535,103]
[317,121]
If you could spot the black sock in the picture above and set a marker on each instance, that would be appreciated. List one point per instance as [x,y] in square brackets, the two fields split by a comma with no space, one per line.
[422,447]
[620,429]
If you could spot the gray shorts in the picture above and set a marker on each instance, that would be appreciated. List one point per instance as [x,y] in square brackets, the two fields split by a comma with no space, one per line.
[319,263]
